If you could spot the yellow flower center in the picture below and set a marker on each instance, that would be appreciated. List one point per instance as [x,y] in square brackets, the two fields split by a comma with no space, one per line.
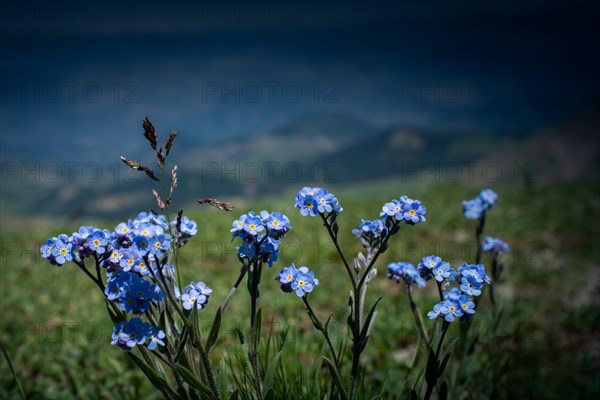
[240,224]
[142,265]
[290,277]
[145,232]
[301,283]
[451,308]
[412,212]
[96,242]
[464,306]
[63,251]
[130,261]
[157,245]
[309,205]
[252,227]
[275,223]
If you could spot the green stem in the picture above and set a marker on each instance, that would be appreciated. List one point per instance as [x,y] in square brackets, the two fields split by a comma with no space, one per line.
[339,250]
[320,327]
[417,316]
[12,370]
[478,233]
[255,277]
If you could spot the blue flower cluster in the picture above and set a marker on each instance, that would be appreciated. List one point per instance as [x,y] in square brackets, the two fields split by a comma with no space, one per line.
[406,209]
[457,301]
[183,230]
[130,253]
[128,334]
[405,271]
[58,250]
[249,228]
[475,208]
[495,245]
[434,267]
[301,280]
[132,292]
[370,230]
[455,305]
[194,294]
[313,201]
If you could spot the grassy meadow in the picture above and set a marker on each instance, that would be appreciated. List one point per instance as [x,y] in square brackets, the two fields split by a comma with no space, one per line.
[57,332]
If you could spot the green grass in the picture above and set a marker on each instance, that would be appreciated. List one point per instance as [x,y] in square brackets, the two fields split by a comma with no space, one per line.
[55,325]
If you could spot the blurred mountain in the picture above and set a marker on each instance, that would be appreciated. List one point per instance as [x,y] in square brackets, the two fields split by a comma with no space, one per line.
[301,138]
[321,151]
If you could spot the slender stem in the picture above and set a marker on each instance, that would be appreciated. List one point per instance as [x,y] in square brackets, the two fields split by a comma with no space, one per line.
[339,250]
[255,275]
[478,234]
[417,315]
[235,286]
[208,369]
[440,292]
[445,326]
[323,329]
[12,370]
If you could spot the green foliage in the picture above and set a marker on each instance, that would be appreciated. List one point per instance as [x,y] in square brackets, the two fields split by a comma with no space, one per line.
[57,331]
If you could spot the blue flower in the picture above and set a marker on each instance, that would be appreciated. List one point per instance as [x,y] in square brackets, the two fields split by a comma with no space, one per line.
[61,250]
[97,241]
[450,310]
[495,245]
[452,294]
[466,304]
[312,201]
[406,272]
[413,211]
[278,222]
[286,277]
[475,271]
[304,282]
[392,209]
[253,225]
[142,244]
[436,312]
[195,294]
[427,265]
[269,250]
[473,209]
[443,271]
[370,230]
[158,244]
[128,334]
[470,285]
[124,229]
[187,229]
[154,337]
[489,198]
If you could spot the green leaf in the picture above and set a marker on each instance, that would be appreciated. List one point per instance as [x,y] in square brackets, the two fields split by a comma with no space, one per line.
[192,380]
[443,364]
[241,336]
[431,369]
[214,330]
[147,370]
[271,370]
[235,395]
[367,326]
[257,326]
[351,314]
[337,380]
[222,378]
